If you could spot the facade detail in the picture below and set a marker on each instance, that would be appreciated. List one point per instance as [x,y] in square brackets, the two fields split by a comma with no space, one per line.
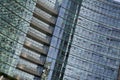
[59,40]
[26,31]
[95,49]
[15,17]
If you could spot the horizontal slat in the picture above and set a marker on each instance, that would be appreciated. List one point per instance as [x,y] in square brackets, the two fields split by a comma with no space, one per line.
[28,45]
[37,38]
[43,18]
[35,24]
[28,70]
[32,59]
[18,77]
[46,8]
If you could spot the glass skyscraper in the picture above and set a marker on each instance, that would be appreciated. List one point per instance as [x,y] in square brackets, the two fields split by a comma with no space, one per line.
[14,21]
[26,28]
[59,39]
[95,48]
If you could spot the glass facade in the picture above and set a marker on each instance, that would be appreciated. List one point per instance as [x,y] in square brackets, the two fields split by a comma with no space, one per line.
[95,50]
[62,36]
[60,39]
[15,16]
[25,34]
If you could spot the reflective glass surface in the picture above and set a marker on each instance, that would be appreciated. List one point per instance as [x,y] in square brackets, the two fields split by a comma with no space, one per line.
[95,50]
[15,16]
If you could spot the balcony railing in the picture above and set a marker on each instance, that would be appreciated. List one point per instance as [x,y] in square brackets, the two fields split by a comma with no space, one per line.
[35,24]
[32,59]
[37,38]
[29,70]
[40,15]
[18,77]
[30,46]
[46,8]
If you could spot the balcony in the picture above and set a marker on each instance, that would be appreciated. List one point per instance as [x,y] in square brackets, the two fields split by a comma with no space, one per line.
[40,15]
[37,38]
[18,77]
[46,8]
[32,59]
[35,24]
[29,70]
[28,45]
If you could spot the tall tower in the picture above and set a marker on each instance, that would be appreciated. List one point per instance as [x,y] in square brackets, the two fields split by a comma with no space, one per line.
[59,39]
[15,17]
[95,48]
[26,28]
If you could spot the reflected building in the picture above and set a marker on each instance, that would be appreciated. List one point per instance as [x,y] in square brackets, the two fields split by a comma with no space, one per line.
[59,39]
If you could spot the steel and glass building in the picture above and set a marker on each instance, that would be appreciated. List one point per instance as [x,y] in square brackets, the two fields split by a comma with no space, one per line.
[26,28]
[59,39]
[95,48]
